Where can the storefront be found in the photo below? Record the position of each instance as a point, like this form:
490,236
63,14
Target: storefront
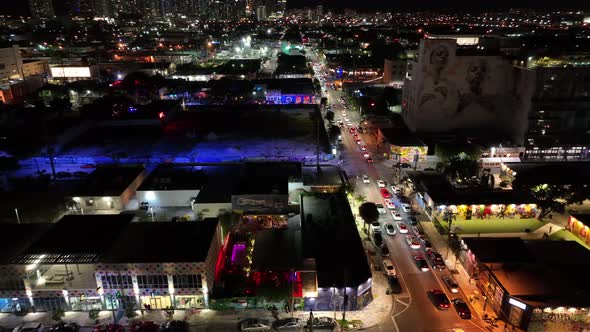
156,301
50,304
113,303
189,301
14,305
85,303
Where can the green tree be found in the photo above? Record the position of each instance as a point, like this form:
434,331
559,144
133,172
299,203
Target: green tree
360,199
333,133
58,314
93,315
228,220
130,312
553,198
369,213
330,116
462,151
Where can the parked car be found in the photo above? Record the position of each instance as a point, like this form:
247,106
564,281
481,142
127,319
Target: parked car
401,227
421,263
380,208
174,326
406,207
64,327
396,215
462,308
29,327
384,251
389,203
388,267
321,323
412,242
451,284
144,326
366,178
413,220
80,174
381,183
385,193
87,166
108,328
287,324
378,239
394,285
376,227
63,175
389,229
396,190
436,260
439,299
254,325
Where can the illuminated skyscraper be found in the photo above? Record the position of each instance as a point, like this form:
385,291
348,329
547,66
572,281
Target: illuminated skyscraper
41,8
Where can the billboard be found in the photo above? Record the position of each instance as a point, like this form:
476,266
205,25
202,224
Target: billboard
70,72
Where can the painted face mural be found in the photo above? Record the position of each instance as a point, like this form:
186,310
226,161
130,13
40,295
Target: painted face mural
439,57
476,74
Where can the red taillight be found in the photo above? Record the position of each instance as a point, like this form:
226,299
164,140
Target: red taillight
161,115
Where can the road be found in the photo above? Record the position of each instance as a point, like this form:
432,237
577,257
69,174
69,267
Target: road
412,310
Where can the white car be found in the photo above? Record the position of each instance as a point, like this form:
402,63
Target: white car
412,241
381,183
388,268
254,325
380,208
396,215
346,118
376,227
367,155
363,148
396,190
366,179
406,207
401,227
29,327
389,203
389,229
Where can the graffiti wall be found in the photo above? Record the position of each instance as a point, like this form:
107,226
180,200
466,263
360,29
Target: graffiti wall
451,89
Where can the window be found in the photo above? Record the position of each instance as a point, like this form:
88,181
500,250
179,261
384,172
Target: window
187,281
116,282
153,281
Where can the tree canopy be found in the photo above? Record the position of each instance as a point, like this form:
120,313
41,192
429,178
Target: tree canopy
553,198
446,152
368,211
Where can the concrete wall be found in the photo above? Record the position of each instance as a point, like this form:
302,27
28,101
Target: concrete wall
167,198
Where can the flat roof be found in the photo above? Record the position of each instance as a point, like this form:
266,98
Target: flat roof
76,239
108,181
330,236
16,238
151,242
288,85
278,248
172,177
494,250
401,137
551,172
329,176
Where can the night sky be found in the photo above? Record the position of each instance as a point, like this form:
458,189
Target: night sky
20,7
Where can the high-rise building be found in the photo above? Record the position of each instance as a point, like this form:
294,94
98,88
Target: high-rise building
319,12
261,13
78,8
281,8
41,8
101,8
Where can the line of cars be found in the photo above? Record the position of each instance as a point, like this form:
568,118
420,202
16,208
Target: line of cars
287,324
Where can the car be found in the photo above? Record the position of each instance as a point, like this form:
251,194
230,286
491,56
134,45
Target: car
346,119
396,215
88,166
396,190
80,174
389,204
370,160
254,325
389,229
388,267
65,327
417,231
439,299
421,263
366,178
376,227
412,242
363,148
406,207
378,239
366,154
384,251
63,175
401,227
380,183
436,260
174,326
144,326
425,242
358,141
462,308
451,284
413,220
108,328
287,324
29,327
385,193
380,208
355,136
394,285
321,323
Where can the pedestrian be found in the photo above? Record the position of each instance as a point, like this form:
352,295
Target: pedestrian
550,228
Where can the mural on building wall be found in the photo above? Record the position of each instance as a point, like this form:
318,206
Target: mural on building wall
468,91
407,154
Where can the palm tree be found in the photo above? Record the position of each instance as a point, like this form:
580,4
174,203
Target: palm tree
368,211
360,199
